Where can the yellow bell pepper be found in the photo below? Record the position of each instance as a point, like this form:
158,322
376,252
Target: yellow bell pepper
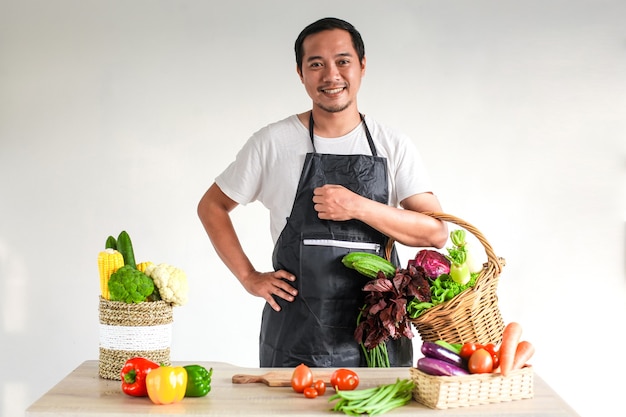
166,384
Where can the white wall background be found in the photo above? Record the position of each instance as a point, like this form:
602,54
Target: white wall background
118,115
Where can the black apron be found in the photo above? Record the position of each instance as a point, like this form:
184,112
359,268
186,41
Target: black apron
317,328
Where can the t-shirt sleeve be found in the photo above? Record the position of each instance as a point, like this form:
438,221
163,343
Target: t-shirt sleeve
411,176
241,180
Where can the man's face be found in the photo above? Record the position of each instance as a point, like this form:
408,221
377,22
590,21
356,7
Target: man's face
331,71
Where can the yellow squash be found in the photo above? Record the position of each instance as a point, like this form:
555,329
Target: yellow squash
143,265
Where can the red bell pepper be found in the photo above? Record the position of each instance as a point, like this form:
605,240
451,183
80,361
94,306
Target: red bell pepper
134,374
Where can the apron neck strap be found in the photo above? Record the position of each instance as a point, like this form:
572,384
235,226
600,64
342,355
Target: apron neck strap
370,141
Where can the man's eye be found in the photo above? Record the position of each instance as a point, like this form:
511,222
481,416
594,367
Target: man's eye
344,62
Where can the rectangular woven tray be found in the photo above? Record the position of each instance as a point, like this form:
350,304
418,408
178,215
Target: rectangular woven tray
441,392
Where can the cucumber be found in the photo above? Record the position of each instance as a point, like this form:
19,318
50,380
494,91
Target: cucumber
366,268
370,267
349,259
454,347
369,264
110,243
125,247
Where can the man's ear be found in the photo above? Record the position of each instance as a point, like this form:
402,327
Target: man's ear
363,66
299,71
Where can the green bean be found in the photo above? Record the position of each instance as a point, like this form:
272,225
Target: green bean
354,394
378,397
373,401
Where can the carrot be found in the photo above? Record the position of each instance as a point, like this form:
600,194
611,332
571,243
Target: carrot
510,338
524,351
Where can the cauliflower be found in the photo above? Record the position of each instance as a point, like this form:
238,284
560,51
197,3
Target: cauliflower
171,283
130,285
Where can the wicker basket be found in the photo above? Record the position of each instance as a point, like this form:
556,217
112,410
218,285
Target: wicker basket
130,330
443,392
473,315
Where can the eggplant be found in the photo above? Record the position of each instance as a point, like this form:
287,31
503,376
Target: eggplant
437,367
433,350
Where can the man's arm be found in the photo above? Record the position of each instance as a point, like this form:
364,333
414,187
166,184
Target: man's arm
213,209
407,225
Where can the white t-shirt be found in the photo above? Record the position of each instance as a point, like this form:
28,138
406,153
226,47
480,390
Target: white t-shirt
268,167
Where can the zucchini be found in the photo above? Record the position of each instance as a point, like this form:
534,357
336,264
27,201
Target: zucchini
110,243
125,247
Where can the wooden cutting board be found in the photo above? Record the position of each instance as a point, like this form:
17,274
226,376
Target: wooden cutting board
278,378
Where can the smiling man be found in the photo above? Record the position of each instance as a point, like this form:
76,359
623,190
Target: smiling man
334,181
331,72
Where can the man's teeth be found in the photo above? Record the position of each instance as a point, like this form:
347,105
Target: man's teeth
334,90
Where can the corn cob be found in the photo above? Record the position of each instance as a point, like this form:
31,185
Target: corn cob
109,261
143,265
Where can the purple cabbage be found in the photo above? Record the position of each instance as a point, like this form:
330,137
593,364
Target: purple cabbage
433,262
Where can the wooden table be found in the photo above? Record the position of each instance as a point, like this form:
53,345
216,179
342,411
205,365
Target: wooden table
84,393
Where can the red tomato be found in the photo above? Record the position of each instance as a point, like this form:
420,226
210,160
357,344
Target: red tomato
480,362
301,378
468,348
344,379
310,392
491,348
320,387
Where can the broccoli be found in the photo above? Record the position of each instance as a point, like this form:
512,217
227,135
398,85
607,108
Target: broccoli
130,285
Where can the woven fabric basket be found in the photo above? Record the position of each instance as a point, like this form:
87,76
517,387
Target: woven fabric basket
473,315
130,330
441,392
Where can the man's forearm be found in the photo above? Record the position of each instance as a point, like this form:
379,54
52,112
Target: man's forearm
407,227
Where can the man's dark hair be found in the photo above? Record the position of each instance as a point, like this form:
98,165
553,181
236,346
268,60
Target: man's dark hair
329,23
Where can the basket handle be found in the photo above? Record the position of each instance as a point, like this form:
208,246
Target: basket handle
492,259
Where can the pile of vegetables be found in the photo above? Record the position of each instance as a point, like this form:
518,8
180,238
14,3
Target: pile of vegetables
142,377
383,317
394,296
122,279
349,399
449,275
445,359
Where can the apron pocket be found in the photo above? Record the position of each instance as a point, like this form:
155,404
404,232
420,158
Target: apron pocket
332,292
